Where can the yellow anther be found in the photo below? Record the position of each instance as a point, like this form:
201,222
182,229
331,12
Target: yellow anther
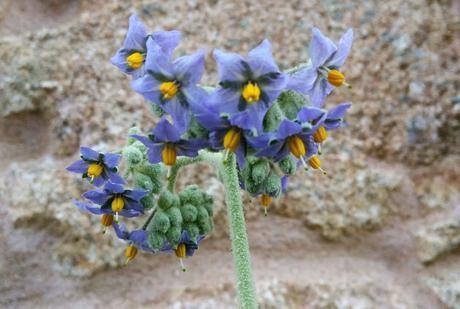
181,251
315,163
130,253
336,78
169,155
232,139
135,60
296,146
94,170
117,204
106,219
251,92
266,200
320,135
168,90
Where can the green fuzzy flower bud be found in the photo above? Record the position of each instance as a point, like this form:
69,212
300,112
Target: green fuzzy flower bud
132,156
148,202
202,214
189,212
260,171
252,187
141,147
192,195
142,181
209,209
154,171
192,229
175,216
290,102
156,239
273,118
133,131
160,222
196,130
167,200
288,165
156,110
272,185
205,227
173,235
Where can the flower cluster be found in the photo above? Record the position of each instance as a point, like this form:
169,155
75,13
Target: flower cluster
272,122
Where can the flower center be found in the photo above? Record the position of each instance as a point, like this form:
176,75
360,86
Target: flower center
232,139
181,251
169,155
106,219
251,92
135,60
95,170
117,204
130,253
335,78
320,135
169,90
296,146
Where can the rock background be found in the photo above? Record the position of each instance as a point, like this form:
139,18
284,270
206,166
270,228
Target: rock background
382,231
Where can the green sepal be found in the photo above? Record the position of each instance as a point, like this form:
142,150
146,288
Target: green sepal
260,171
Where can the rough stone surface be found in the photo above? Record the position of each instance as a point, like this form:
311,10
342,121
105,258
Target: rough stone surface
437,239
388,203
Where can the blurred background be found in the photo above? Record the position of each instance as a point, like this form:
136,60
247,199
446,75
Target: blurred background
381,231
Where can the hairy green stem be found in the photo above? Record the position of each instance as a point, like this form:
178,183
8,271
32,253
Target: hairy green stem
240,246
238,234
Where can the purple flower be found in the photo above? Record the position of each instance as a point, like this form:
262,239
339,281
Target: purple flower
115,199
291,138
165,144
319,79
190,245
131,57
172,84
322,121
248,86
224,133
137,238
97,210
97,167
